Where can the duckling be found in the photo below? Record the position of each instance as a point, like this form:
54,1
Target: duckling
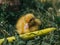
27,23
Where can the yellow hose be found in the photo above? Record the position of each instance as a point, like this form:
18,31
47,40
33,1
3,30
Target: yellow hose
37,33
30,35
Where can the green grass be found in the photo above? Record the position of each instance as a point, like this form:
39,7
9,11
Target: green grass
49,18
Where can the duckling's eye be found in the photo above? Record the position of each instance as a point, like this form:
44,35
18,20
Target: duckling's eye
32,19
31,22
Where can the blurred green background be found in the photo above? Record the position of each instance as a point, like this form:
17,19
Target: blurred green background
48,11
